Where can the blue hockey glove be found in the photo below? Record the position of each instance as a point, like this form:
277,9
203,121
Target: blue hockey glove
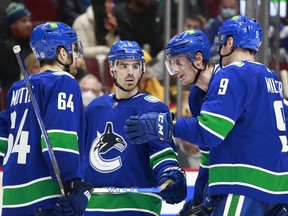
177,191
76,201
150,126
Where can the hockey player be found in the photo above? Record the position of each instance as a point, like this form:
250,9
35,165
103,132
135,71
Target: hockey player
29,182
112,161
189,55
242,120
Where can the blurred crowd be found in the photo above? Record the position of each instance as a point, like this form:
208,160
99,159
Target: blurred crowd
99,23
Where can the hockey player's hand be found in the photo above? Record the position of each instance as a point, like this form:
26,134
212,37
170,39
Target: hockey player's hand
177,191
150,126
204,209
76,201
186,207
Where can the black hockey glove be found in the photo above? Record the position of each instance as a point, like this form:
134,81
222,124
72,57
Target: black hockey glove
187,206
177,191
204,209
76,201
143,128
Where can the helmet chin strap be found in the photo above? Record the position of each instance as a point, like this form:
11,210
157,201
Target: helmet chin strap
66,66
119,86
198,72
222,56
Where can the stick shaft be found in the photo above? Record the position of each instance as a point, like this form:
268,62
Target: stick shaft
132,189
17,51
125,190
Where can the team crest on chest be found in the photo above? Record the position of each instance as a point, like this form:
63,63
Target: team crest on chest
106,149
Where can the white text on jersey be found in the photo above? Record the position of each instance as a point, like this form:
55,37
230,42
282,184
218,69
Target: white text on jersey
20,96
274,86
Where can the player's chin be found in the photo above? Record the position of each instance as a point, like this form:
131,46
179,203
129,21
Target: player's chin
131,86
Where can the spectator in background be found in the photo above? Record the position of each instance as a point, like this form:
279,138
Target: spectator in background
19,21
31,64
189,154
69,10
137,21
193,21
4,33
91,88
96,28
227,9
149,83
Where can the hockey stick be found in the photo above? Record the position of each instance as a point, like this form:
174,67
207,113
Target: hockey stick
192,212
132,189
17,51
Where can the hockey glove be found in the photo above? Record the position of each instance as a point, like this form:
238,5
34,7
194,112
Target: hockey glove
203,209
143,128
76,201
187,206
177,191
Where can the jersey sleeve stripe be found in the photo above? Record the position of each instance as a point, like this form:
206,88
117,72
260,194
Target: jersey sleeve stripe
164,155
62,140
217,125
251,176
205,159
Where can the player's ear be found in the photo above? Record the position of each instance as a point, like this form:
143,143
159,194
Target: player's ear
62,53
112,73
230,41
198,58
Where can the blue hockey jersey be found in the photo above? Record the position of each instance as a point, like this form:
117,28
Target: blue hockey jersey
29,183
111,160
243,123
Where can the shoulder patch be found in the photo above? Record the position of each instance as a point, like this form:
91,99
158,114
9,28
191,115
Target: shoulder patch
151,99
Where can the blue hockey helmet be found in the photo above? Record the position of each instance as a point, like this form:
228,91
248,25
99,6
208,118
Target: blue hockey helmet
247,32
123,50
47,37
189,42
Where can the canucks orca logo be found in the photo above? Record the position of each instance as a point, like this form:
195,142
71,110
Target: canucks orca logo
106,149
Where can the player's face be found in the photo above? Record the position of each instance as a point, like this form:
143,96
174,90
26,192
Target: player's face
181,67
77,53
128,73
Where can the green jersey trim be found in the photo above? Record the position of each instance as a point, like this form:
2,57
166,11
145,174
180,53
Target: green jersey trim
137,202
163,155
216,124
3,146
62,140
249,176
29,193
